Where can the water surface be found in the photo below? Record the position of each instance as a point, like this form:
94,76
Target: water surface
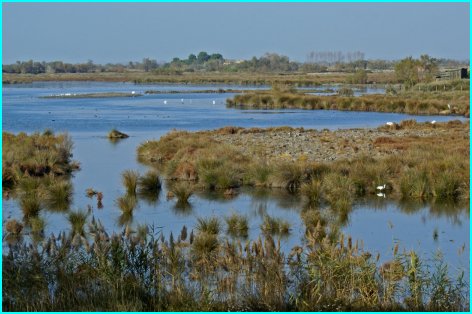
380,223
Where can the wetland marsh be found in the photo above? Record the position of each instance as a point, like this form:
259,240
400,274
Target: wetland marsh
388,225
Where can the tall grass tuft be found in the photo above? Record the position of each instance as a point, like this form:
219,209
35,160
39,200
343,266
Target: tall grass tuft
58,195
275,226
210,225
77,220
127,203
13,226
339,191
149,183
312,191
288,175
237,225
37,225
30,205
182,191
130,181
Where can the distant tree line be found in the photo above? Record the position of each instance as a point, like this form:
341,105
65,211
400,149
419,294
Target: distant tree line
334,57
350,62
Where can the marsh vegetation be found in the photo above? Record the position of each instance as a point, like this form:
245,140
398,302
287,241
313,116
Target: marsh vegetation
427,99
36,170
140,270
233,259
399,164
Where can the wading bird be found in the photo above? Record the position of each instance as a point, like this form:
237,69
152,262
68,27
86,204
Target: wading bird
381,187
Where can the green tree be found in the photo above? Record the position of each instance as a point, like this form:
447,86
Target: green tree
192,58
216,56
202,57
359,77
429,67
149,64
406,71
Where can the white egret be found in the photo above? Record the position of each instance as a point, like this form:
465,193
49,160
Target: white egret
389,123
381,187
433,122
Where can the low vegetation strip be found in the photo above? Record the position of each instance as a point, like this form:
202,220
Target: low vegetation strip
197,91
248,78
447,103
93,95
291,158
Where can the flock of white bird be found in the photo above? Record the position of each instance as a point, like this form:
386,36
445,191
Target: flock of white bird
182,101
432,122
391,123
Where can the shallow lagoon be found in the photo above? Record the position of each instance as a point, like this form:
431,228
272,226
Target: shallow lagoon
380,223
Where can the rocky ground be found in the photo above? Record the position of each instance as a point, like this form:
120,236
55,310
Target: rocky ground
328,145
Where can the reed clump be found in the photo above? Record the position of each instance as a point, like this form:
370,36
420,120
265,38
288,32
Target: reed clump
182,191
139,271
35,155
36,169
14,227
127,203
312,191
77,220
58,195
210,225
237,225
275,226
149,183
130,180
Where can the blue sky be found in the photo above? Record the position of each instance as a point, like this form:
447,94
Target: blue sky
120,32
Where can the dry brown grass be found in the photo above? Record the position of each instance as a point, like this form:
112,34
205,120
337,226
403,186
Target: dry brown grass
218,165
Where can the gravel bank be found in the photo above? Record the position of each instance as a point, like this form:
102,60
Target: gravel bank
325,146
